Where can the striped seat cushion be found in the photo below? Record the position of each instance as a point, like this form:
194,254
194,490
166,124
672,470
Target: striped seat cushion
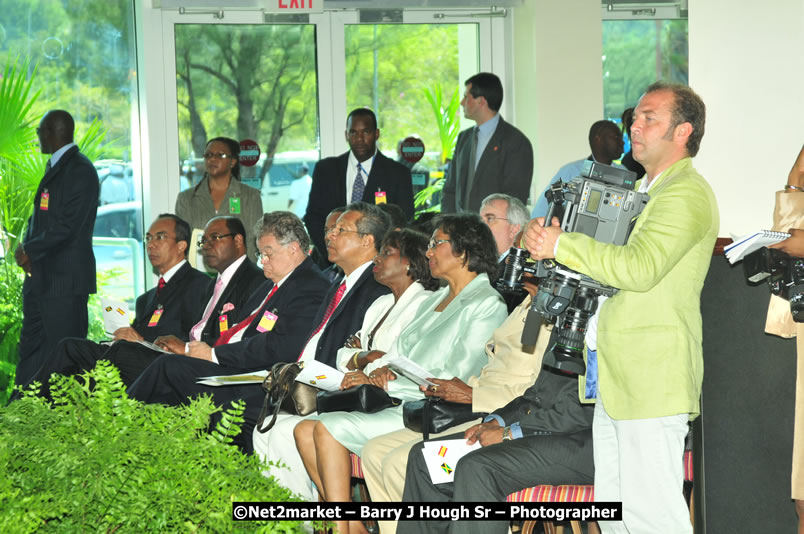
357,466
575,493
569,493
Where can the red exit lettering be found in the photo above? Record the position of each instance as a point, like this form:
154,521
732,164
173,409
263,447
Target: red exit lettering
295,4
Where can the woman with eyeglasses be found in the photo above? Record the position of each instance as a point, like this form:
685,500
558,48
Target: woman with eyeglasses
221,193
447,338
401,266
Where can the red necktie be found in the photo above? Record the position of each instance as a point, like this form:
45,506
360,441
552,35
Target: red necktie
336,299
226,336
161,285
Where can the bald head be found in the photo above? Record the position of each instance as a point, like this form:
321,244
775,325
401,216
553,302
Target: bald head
55,130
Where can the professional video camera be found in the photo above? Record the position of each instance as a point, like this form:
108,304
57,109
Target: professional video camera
784,273
602,204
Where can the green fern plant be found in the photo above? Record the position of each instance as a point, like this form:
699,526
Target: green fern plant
98,461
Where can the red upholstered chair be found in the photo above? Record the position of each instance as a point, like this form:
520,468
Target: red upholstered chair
568,493
573,493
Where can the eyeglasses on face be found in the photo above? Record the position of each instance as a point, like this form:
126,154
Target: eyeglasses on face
435,242
217,155
214,238
266,255
491,218
335,232
159,236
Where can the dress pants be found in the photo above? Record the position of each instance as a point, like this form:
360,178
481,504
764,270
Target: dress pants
640,463
171,379
45,322
385,460
278,446
490,474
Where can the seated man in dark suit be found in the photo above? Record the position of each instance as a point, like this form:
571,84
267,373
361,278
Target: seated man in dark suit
362,174
174,306
223,246
275,329
308,334
352,245
542,437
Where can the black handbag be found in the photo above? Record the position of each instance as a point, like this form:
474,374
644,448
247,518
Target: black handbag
283,393
365,398
434,415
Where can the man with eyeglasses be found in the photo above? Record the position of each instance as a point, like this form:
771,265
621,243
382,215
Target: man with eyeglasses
362,174
174,305
275,329
223,246
56,251
352,245
505,216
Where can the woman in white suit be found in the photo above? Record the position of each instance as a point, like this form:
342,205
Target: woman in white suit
447,338
401,266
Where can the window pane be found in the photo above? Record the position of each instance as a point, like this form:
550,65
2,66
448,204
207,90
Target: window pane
83,59
637,53
253,82
389,68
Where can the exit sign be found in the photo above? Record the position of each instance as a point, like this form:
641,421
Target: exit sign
296,6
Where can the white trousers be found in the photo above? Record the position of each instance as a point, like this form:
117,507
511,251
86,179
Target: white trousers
640,462
278,447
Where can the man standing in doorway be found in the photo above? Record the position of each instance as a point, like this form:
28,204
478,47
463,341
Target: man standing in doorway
492,157
56,252
363,174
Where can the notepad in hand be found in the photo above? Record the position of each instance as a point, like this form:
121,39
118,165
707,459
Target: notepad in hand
748,243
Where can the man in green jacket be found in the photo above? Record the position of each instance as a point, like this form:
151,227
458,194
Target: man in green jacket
648,339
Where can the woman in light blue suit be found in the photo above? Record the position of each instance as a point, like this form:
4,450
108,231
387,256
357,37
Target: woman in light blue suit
447,338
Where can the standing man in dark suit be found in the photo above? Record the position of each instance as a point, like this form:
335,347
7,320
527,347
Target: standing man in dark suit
175,305
541,437
274,331
56,252
362,174
492,157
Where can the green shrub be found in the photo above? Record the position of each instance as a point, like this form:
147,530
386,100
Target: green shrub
98,461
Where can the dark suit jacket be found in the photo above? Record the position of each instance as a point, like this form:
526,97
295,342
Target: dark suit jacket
182,300
506,166
328,191
347,317
247,281
295,304
58,240
551,406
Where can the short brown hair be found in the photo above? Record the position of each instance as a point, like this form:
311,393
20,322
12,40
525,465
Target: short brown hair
687,107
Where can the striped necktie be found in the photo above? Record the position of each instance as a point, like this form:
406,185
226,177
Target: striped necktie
336,299
359,185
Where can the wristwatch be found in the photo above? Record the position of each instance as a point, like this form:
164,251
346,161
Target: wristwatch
507,434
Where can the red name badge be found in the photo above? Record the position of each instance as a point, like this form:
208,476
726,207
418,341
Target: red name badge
155,317
380,197
223,321
44,200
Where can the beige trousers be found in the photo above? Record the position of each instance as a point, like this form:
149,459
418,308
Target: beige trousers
385,460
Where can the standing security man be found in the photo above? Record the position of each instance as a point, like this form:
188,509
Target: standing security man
56,253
